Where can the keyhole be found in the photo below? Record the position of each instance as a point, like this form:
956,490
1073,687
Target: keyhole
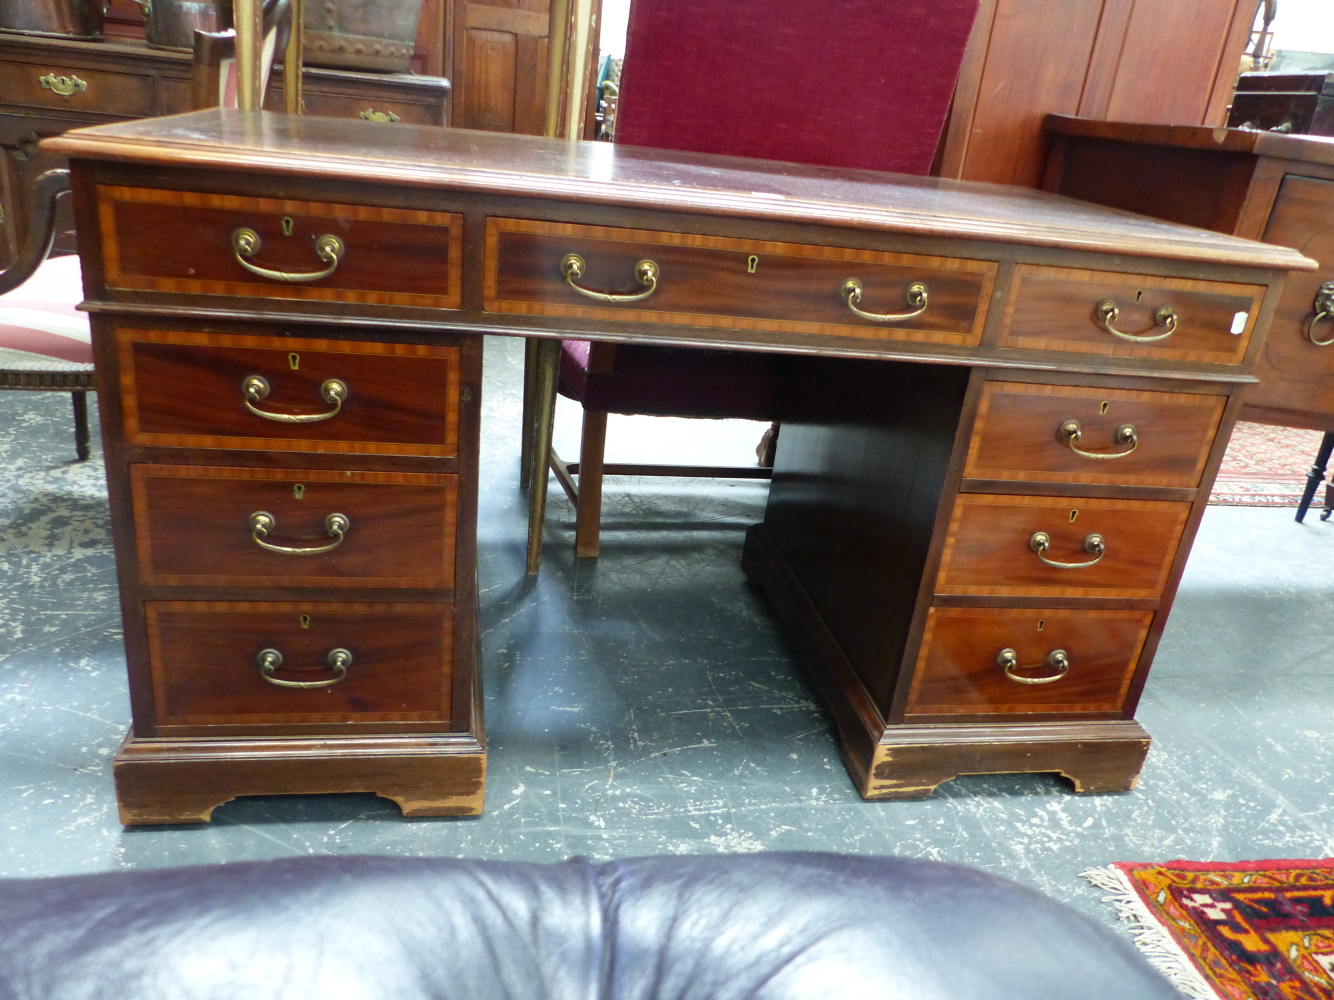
1042,623
1073,514
1139,294
305,621
294,360
1103,407
752,262
299,491
287,225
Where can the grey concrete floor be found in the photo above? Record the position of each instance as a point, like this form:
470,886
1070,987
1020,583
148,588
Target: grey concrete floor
645,702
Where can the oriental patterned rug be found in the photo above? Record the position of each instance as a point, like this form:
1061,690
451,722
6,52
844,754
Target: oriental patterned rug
1266,467
1246,930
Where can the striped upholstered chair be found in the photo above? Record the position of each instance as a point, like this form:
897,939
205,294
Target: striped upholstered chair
861,84
44,340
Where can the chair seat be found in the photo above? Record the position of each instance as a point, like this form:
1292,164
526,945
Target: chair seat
676,382
40,328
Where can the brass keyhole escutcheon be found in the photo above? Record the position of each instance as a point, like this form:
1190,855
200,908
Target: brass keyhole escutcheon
1042,623
1073,514
1139,294
299,491
752,262
1103,408
305,621
287,225
294,360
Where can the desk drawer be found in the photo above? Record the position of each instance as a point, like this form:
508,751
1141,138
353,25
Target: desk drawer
181,241
201,527
958,672
1019,435
1058,309
369,108
1110,548
191,390
205,660
77,88
719,282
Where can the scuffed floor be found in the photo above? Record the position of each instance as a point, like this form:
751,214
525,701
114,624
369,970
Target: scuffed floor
645,703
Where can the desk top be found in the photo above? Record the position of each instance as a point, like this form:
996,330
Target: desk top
487,162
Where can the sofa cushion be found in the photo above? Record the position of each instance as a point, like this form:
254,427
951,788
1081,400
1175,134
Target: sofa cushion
40,328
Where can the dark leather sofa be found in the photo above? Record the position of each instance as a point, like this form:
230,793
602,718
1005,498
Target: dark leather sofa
758,927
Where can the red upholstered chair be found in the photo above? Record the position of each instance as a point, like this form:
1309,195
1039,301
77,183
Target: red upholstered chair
859,83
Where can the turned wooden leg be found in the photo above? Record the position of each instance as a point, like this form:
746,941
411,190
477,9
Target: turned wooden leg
588,519
544,403
1316,474
529,418
80,401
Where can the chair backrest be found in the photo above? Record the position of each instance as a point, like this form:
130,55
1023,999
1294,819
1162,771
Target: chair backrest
857,83
216,76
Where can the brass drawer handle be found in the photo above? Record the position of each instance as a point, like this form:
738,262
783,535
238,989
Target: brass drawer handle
1069,434
262,522
1107,312
1008,661
646,273
269,660
915,296
1324,309
256,387
1093,544
328,248
371,115
65,86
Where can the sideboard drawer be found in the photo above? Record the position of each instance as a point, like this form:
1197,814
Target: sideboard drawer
959,670
222,527
376,109
214,244
195,390
1021,546
721,282
1129,315
1025,431
77,88
206,660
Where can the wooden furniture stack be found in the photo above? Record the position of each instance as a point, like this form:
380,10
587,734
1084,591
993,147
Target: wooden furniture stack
992,463
48,85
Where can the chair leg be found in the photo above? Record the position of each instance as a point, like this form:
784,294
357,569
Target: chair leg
80,401
544,403
529,419
1316,474
588,513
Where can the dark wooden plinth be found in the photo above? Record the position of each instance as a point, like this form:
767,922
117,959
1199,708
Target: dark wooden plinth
183,781
910,761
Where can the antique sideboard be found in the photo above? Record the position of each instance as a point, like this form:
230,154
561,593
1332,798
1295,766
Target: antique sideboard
1004,410
48,85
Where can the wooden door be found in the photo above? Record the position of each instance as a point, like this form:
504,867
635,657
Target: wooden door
500,65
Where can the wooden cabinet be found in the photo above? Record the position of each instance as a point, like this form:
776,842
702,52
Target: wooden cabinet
48,85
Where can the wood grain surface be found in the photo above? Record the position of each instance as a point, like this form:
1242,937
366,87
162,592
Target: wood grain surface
1017,423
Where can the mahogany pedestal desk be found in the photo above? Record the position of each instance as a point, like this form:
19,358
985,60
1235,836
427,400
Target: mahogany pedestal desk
1003,415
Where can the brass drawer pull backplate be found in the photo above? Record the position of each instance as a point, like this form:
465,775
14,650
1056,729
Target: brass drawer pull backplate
1107,312
915,296
256,387
246,243
1057,659
1069,434
262,522
1324,309
646,273
269,660
65,86
371,115
1093,544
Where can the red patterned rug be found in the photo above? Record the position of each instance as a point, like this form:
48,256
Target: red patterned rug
1266,466
1246,930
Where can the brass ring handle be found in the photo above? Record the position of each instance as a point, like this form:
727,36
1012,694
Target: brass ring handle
915,296
328,248
262,522
1008,661
269,660
1107,312
256,387
1069,434
1093,544
1324,309
646,273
